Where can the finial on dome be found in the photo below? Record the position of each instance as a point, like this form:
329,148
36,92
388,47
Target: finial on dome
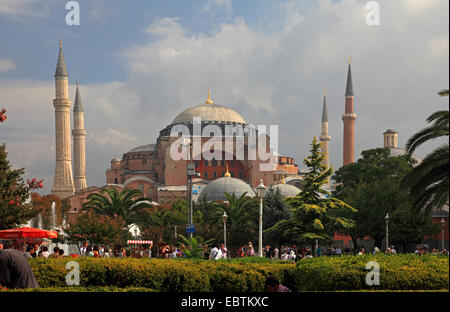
349,60
227,174
60,43
209,101
282,179
325,92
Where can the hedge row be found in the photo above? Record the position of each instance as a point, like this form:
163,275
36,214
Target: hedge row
397,272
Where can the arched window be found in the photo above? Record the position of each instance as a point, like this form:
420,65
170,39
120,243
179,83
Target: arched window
116,181
205,174
215,174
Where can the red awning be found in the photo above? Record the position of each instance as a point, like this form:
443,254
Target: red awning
27,232
140,242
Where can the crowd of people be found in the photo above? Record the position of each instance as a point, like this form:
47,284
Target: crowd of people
216,252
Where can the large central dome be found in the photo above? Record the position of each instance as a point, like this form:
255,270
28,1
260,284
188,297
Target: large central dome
209,113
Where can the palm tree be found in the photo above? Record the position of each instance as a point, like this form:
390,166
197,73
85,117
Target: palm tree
429,181
242,220
125,204
158,219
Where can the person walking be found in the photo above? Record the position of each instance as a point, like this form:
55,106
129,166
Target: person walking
216,253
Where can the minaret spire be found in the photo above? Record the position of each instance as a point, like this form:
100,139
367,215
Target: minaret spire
79,143
63,179
349,118
324,136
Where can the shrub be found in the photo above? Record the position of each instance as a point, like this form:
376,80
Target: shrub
397,272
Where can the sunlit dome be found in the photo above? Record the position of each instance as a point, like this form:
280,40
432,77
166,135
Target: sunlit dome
216,189
209,113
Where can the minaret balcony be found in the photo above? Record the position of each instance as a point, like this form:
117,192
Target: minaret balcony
351,116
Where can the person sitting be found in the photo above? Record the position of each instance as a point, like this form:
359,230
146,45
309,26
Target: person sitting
273,285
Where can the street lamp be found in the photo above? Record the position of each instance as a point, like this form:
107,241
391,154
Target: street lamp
442,232
224,219
260,189
386,218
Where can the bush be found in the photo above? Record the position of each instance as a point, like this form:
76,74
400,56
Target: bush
397,272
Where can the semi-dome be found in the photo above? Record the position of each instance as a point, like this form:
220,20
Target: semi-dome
209,113
216,189
287,190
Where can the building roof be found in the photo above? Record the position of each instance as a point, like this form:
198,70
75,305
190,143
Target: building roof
209,113
144,148
61,69
396,152
216,189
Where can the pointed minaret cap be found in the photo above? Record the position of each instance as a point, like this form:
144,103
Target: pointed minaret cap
78,106
209,101
227,174
61,69
349,88
325,110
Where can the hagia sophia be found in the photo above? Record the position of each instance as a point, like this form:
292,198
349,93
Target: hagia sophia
151,168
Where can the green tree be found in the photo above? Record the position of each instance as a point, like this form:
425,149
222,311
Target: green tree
242,223
372,186
407,227
158,220
316,215
275,210
97,229
429,181
125,204
194,247
14,193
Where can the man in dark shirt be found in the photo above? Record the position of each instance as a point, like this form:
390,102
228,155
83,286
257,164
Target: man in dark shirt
15,271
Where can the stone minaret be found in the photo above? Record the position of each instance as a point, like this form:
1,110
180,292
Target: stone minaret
324,136
390,138
79,144
349,120
62,180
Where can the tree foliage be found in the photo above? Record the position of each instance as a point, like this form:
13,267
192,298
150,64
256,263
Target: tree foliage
97,229
123,204
14,194
315,213
372,186
429,181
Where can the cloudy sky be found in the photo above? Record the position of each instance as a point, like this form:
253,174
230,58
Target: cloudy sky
139,63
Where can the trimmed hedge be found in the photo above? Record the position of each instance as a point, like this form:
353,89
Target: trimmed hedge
397,272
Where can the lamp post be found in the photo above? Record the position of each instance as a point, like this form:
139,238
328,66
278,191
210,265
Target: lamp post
386,218
442,232
261,189
224,219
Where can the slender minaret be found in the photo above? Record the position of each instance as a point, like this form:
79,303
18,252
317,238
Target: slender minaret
79,144
62,180
324,136
349,120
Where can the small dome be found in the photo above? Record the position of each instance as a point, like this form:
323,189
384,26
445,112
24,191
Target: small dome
209,113
115,159
216,189
287,190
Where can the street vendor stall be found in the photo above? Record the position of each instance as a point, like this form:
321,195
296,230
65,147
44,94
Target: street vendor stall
140,248
19,238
